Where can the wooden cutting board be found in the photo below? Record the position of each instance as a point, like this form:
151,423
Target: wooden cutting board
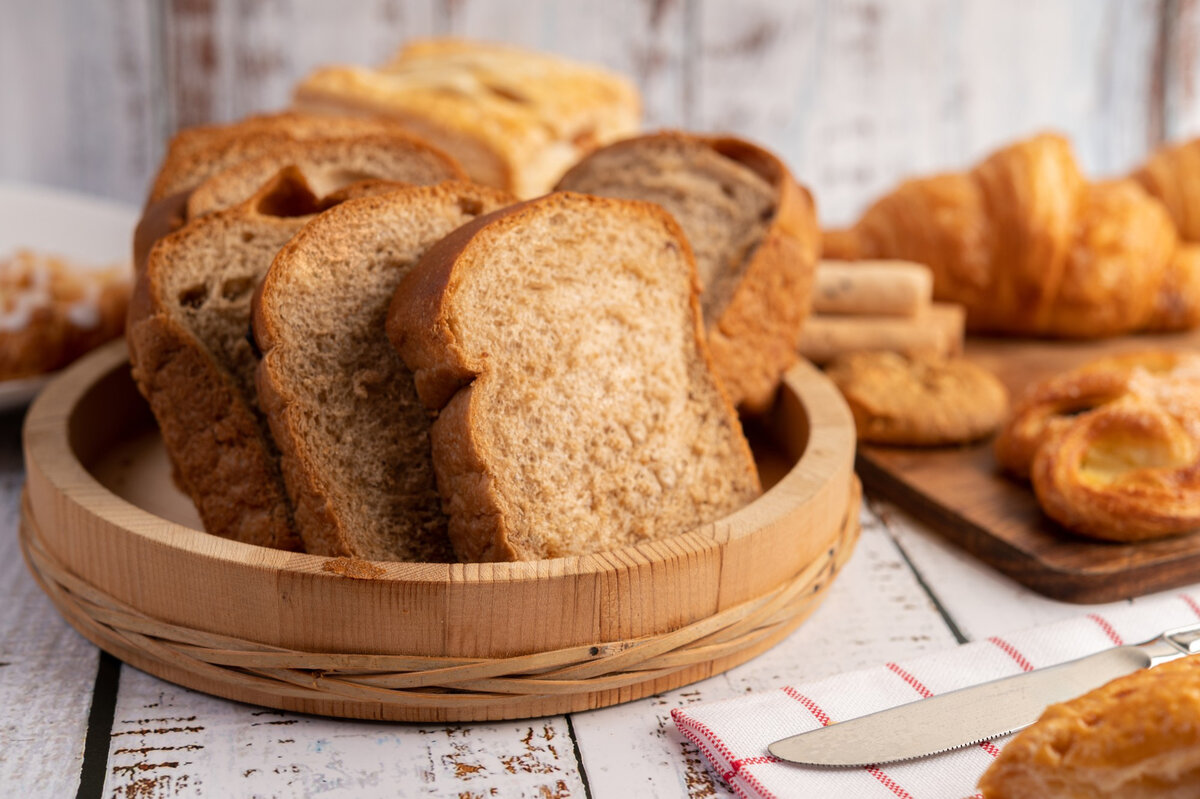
961,493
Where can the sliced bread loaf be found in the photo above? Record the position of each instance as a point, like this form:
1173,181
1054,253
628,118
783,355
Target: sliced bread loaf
200,152
191,359
211,168
328,165
341,403
755,237
561,342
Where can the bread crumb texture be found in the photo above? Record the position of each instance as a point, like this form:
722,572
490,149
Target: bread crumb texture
594,421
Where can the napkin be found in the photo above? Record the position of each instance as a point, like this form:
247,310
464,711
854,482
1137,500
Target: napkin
733,735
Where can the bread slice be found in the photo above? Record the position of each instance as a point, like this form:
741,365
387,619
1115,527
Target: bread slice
189,318
211,168
514,119
753,231
560,341
341,403
197,153
328,165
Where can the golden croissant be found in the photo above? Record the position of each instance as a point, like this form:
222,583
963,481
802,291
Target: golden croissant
1030,247
1113,448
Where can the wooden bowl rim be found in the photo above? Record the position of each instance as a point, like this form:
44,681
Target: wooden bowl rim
47,446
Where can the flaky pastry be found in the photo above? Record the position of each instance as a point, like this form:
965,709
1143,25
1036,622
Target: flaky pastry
1136,737
1113,448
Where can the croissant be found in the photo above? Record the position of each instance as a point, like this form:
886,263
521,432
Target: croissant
1113,448
1030,247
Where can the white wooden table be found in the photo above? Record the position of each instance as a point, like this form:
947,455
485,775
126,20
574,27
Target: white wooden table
75,721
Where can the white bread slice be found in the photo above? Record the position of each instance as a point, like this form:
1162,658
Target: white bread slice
754,233
341,403
560,340
514,119
189,318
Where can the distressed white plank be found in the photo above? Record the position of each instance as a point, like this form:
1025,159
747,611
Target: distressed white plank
857,95
77,95
875,612
981,601
645,39
1181,69
230,58
46,669
169,741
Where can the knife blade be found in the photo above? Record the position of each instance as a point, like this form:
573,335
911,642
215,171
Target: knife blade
981,712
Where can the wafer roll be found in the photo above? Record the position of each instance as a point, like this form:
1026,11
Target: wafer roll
872,288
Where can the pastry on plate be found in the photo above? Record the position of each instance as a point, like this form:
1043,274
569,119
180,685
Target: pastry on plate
52,311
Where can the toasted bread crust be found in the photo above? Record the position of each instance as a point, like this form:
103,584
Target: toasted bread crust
317,519
756,338
421,328
197,153
215,438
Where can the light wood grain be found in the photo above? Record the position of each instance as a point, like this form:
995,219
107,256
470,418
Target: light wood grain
961,493
200,610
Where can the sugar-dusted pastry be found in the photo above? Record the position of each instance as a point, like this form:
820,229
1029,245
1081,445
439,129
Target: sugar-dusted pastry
919,400
1030,247
1138,737
1113,447
514,119
52,311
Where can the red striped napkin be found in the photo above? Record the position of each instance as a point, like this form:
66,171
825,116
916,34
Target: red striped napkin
734,734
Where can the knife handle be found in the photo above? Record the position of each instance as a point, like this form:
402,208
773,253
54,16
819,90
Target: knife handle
1185,639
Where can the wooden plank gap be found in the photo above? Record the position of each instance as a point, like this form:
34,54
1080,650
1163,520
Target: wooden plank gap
583,775
948,619
98,739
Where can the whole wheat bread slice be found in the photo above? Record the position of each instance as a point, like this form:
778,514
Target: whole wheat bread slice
197,153
219,166
341,404
561,342
189,318
754,233
328,165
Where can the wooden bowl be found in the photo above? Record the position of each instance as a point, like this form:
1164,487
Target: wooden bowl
107,536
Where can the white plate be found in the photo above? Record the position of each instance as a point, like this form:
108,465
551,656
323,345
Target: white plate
91,231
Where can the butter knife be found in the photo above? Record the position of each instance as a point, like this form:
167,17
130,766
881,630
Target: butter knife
976,714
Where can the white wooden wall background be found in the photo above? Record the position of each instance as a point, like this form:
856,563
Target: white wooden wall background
854,94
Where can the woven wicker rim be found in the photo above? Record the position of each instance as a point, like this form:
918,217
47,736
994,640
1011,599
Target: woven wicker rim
412,681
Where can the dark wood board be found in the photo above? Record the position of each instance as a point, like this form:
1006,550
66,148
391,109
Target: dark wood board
961,493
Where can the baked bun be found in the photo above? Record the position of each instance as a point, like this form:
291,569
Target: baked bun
1113,448
1138,737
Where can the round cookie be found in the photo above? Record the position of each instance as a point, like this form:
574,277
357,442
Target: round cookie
919,400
